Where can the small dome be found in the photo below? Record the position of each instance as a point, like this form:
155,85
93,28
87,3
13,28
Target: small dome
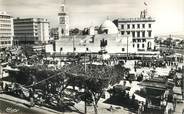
109,27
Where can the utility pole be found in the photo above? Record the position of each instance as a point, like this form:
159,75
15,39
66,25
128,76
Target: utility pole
127,48
183,81
60,56
85,105
73,43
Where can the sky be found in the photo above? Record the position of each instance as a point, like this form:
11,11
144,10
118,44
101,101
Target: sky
169,14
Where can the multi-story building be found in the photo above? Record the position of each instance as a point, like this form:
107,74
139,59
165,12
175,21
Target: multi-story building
140,29
31,31
6,30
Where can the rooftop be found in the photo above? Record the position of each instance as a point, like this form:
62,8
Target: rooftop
149,19
30,20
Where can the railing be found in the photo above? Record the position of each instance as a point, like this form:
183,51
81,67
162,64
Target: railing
136,19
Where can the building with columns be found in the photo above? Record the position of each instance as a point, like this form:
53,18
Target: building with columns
6,30
63,18
141,30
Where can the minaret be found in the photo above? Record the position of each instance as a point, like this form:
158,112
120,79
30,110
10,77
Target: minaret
63,18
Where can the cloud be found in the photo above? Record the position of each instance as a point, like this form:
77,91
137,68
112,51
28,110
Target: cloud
84,12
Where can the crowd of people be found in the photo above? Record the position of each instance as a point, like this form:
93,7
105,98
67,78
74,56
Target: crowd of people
52,90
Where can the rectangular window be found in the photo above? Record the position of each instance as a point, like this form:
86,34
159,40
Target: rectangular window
143,33
133,34
128,32
123,49
74,49
149,25
137,45
138,33
133,45
122,26
128,26
149,33
138,25
143,25
133,26
134,40
142,45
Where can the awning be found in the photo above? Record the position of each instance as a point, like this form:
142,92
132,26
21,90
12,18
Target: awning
177,90
8,68
139,98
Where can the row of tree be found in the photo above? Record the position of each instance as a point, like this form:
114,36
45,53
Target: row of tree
92,78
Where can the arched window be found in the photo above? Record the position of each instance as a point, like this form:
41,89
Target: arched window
149,45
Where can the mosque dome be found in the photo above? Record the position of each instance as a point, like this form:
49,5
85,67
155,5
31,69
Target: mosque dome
108,27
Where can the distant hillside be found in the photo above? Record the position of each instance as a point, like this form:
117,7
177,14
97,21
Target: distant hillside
180,37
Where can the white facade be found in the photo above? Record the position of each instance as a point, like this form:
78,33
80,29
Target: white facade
63,19
6,30
92,43
91,30
31,30
141,30
43,30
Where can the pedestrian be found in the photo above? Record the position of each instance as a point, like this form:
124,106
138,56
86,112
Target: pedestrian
133,97
135,69
31,97
110,108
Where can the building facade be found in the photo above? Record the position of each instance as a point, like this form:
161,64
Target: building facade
31,31
6,30
109,40
63,18
54,33
141,30
111,43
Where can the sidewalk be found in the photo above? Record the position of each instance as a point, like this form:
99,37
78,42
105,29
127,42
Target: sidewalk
102,107
25,103
179,108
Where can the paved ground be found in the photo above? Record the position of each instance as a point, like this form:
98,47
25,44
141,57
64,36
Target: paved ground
15,105
11,107
20,106
179,108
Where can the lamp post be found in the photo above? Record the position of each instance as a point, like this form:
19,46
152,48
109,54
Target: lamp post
127,47
60,56
85,104
183,81
73,43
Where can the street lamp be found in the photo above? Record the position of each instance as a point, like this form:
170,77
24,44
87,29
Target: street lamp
73,43
60,55
85,104
127,47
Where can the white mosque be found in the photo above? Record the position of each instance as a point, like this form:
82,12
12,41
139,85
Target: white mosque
109,37
108,27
